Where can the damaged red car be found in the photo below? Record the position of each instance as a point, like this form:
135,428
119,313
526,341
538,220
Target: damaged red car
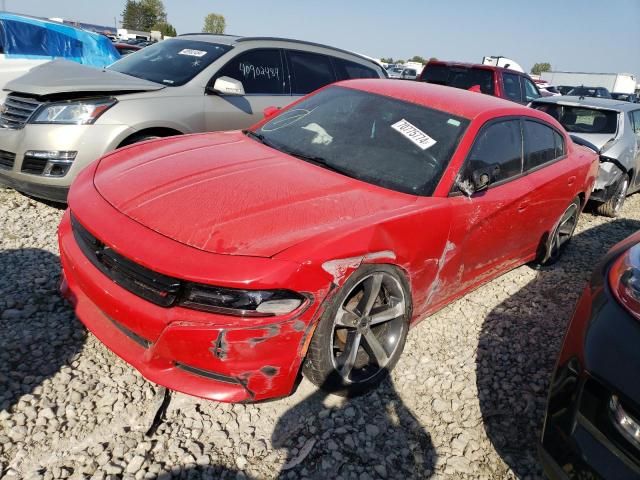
224,265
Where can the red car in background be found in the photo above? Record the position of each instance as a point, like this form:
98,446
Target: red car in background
127,48
497,81
220,264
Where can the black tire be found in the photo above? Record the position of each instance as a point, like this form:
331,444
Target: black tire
613,206
560,236
138,139
326,365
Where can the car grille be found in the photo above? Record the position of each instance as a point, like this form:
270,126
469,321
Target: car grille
17,111
7,159
152,286
33,165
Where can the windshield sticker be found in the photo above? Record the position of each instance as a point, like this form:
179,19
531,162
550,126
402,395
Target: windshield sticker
414,134
192,53
322,137
454,122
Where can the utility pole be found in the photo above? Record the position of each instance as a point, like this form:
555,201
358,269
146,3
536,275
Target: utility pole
4,5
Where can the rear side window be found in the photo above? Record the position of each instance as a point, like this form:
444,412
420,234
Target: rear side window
346,70
260,71
310,71
540,144
459,77
512,88
635,117
497,151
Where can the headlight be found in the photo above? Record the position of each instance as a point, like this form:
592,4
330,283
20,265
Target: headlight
628,426
244,303
624,280
83,112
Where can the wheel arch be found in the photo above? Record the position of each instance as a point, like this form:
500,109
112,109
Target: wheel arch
149,132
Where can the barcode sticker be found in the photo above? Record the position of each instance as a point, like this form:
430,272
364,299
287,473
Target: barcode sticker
414,134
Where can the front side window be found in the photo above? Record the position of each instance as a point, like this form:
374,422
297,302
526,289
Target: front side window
581,119
260,71
346,70
530,90
512,88
497,151
172,62
310,71
540,145
376,139
636,121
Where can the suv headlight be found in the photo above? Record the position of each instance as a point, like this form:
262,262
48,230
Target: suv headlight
83,112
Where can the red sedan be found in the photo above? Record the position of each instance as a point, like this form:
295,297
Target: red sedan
224,264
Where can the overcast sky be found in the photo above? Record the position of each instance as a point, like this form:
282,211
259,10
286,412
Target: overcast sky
574,35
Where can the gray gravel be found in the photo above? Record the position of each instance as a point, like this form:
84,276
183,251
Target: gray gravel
465,401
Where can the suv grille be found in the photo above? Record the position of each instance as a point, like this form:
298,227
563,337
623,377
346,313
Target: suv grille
152,286
18,110
7,159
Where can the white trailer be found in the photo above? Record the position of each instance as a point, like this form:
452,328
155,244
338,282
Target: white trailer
614,82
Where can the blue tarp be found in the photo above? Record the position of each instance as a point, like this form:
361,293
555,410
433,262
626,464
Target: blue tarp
26,37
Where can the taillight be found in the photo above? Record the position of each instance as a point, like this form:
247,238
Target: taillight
624,280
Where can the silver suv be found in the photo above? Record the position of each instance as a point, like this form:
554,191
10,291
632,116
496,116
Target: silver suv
61,116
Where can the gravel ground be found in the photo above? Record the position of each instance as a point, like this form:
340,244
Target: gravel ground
465,401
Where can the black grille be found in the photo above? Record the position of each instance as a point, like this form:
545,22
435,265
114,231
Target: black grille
18,110
33,165
152,286
7,159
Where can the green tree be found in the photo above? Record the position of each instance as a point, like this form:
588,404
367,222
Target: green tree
214,23
432,58
143,14
165,28
418,59
132,15
387,60
538,68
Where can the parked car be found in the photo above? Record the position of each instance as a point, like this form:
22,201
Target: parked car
592,423
565,89
596,92
127,48
611,128
626,97
60,117
296,240
409,74
546,89
395,72
496,81
26,42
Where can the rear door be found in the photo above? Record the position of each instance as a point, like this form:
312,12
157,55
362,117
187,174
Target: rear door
263,76
309,71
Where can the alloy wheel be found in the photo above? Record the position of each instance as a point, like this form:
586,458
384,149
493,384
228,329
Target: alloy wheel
564,231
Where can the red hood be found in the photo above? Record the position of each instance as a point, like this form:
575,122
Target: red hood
225,193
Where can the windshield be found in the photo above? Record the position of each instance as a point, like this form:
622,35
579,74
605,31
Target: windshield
588,92
380,140
459,77
581,119
172,62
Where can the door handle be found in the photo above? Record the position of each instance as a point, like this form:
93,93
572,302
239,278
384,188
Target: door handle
570,180
523,206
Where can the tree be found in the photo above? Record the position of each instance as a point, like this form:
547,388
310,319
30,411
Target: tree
433,58
143,14
165,28
538,68
387,60
417,59
214,23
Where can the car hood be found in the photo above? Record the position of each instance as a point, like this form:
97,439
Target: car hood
598,140
63,76
228,194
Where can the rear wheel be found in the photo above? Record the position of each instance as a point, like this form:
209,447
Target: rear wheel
362,333
561,235
613,206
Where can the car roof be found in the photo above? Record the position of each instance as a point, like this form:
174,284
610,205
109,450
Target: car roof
473,65
232,40
452,100
602,103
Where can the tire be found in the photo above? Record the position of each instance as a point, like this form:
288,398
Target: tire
613,206
332,363
560,236
138,139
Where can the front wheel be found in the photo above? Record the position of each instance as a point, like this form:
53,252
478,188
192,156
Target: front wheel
362,333
561,235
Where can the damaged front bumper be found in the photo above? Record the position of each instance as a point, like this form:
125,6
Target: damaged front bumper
609,174
217,357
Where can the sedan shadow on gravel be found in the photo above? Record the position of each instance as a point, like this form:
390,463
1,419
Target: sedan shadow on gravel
519,343
39,332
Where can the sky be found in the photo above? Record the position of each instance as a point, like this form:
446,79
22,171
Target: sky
572,35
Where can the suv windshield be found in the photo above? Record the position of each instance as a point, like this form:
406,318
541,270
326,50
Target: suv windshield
589,92
380,140
459,77
172,62
581,119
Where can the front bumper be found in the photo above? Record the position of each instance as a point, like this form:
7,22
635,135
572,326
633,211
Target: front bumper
90,141
599,358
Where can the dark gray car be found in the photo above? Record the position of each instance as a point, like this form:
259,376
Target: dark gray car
611,128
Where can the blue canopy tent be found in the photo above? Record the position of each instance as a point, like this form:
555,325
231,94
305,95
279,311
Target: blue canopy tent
32,38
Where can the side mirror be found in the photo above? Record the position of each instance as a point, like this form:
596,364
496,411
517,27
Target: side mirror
270,111
227,86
